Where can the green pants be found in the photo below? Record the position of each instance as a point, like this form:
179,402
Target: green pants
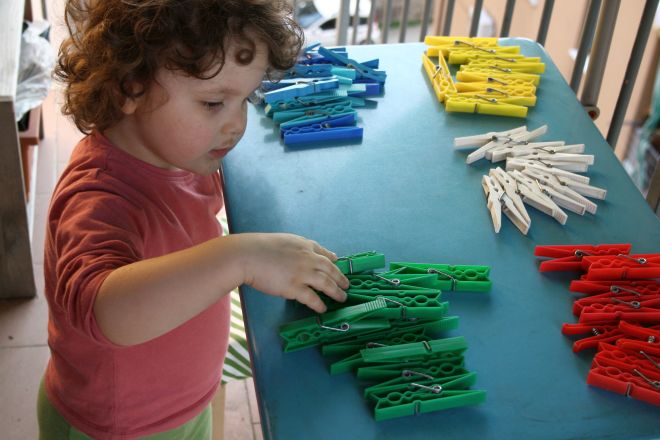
52,425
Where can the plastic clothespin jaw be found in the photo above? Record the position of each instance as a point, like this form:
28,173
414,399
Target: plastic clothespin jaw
363,70
360,262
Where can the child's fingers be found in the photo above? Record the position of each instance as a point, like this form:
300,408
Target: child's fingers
334,273
323,251
309,298
324,283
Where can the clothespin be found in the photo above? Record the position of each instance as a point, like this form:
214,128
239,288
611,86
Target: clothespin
621,267
513,207
438,369
423,280
301,102
514,138
494,194
428,366
569,257
599,333
629,380
502,53
409,308
363,70
439,76
511,106
415,351
571,197
327,131
360,262
310,71
500,95
539,196
332,326
426,396
620,296
471,278
323,114
299,87
475,141
494,75
507,65
646,311
517,88
377,284
396,335
596,287
444,45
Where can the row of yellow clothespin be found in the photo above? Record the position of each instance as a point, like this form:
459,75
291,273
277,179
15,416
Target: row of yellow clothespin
492,79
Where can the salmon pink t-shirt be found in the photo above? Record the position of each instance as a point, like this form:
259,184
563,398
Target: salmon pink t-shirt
108,210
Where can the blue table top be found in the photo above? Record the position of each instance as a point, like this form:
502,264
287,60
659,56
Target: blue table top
405,192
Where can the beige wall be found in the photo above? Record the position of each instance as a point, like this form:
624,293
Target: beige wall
564,34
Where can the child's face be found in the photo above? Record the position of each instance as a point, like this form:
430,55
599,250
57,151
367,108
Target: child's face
188,123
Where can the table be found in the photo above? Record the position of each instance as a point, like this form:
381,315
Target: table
405,192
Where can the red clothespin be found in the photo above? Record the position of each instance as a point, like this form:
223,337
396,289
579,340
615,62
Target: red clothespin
615,294
569,257
646,311
599,333
622,373
597,287
621,267
638,339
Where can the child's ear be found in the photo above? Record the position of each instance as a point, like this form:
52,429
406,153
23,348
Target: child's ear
129,106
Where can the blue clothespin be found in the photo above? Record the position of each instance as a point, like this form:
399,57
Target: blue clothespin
334,108
301,87
340,128
306,101
363,89
363,71
310,71
321,116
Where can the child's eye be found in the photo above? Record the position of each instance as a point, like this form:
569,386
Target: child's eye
212,105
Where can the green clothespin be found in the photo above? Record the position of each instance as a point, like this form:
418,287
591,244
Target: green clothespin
360,262
415,351
459,278
441,366
333,326
375,281
358,342
427,280
426,396
410,308
355,360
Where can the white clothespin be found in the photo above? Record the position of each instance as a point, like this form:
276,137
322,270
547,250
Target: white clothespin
555,171
513,208
493,193
546,147
513,163
469,142
514,139
553,182
584,189
501,153
556,196
534,196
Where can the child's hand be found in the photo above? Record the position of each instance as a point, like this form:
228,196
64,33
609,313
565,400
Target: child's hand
293,267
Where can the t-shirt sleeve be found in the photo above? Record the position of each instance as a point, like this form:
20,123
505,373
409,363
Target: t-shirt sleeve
95,233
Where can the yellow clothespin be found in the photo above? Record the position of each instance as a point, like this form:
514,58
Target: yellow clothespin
446,44
458,102
466,55
516,88
494,74
439,76
512,64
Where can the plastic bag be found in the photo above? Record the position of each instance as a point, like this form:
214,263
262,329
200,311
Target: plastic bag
34,69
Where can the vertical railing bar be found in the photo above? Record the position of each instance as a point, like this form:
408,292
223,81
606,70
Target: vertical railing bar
598,57
585,43
425,20
404,21
506,21
295,10
356,21
630,76
548,5
370,26
449,14
476,15
388,20
342,22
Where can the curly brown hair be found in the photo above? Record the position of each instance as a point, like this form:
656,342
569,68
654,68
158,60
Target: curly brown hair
115,47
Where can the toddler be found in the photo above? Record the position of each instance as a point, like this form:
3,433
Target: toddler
137,273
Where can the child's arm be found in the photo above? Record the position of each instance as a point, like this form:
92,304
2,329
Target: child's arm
146,299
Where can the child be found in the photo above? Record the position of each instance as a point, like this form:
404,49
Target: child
136,272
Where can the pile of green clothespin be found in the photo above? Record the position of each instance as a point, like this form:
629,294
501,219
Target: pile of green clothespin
383,333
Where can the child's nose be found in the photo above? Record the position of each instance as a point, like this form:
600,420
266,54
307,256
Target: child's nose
235,126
